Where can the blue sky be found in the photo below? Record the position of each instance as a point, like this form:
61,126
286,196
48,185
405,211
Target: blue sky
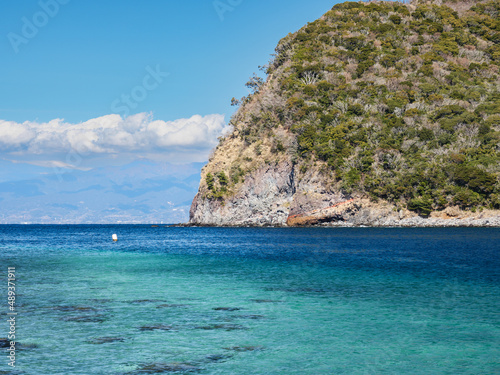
104,84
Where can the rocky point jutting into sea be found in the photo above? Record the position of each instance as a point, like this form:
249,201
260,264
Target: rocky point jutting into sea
380,114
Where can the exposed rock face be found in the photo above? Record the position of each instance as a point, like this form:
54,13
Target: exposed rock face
267,197
262,199
281,205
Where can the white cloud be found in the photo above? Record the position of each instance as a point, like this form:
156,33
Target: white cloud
13,135
108,139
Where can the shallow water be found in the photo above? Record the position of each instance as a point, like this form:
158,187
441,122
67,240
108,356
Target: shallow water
253,301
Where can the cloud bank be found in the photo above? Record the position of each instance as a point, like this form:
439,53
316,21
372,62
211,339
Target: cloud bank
110,139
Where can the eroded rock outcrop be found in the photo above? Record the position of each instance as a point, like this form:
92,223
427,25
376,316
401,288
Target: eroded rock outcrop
268,196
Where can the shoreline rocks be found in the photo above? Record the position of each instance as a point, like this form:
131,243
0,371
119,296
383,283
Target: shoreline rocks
280,195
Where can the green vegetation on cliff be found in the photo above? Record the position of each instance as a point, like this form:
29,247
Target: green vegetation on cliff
401,101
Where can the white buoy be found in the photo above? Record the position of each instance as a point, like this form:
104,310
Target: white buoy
115,237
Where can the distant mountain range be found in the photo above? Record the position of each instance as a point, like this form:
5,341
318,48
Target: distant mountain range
139,192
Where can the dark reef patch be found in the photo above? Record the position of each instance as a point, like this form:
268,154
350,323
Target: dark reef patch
105,340
226,308
166,368
226,327
155,327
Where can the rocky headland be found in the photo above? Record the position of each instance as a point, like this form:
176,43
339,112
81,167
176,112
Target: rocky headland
377,114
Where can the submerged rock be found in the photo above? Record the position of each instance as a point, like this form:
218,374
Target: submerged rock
265,300
251,316
155,327
4,343
85,319
245,348
105,340
160,368
74,308
226,308
218,357
226,327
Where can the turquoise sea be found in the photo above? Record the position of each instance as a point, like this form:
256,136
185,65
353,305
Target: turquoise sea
251,300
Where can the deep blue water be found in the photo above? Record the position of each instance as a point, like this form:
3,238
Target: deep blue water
252,300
